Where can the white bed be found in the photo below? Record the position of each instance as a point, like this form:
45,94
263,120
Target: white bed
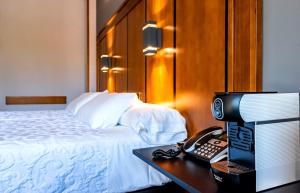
50,151
25,115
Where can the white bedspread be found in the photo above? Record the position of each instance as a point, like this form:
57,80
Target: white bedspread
65,155
25,115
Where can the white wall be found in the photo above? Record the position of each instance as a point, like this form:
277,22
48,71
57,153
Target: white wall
42,49
105,10
281,45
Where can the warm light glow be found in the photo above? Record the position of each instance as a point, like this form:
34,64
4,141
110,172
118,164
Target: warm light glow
117,69
150,54
104,56
111,19
158,6
149,25
104,69
169,28
186,100
161,79
117,56
110,40
110,81
150,48
170,50
168,104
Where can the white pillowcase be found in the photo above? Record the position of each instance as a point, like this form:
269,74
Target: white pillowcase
156,124
105,110
84,98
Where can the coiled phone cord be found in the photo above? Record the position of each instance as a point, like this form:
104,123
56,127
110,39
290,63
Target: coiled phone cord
171,153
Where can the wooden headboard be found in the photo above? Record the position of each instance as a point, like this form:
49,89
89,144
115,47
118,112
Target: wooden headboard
208,46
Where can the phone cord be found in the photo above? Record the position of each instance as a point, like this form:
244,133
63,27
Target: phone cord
171,153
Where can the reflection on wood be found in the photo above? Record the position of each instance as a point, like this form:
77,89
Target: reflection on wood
200,67
120,56
160,67
136,58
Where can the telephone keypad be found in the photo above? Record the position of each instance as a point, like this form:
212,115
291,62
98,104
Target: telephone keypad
208,149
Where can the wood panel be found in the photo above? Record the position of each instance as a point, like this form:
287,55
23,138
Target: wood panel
126,7
136,58
110,41
200,59
98,63
29,100
120,56
160,67
102,76
244,45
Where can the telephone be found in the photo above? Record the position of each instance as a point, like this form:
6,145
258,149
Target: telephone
209,145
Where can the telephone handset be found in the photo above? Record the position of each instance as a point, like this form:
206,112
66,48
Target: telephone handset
209,145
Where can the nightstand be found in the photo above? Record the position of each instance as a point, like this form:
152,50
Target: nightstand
193,176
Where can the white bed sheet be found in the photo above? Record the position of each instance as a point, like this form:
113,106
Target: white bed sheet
25,115
65,155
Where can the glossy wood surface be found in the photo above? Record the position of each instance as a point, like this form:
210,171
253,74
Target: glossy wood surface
160,67
98,63
29,100
244,45
195,176
120,56
122,12
102,75
110,41
136,58
204,51
200,59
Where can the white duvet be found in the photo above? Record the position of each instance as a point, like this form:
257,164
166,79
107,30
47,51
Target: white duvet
60,154
25,115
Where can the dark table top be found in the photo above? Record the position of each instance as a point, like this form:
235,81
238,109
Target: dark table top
192,175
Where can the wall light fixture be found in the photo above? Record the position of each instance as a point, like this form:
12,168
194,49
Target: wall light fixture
106,63
152,38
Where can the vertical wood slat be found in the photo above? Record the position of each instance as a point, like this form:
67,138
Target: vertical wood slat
110,41
160,67
120,56
136,58
200,60
244,45
102,76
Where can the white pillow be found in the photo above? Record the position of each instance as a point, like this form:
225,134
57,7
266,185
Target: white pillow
84,98
157,125
105,110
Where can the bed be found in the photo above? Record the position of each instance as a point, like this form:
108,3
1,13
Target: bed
25,115
62,154
86,148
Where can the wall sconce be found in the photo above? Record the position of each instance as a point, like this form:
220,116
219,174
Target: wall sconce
152,38
106,62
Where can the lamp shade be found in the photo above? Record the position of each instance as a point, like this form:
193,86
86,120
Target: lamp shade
152,38
106,63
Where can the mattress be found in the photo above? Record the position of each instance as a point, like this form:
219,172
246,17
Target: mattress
65,155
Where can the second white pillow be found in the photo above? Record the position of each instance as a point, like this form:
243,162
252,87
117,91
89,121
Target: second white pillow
105,110
80,101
